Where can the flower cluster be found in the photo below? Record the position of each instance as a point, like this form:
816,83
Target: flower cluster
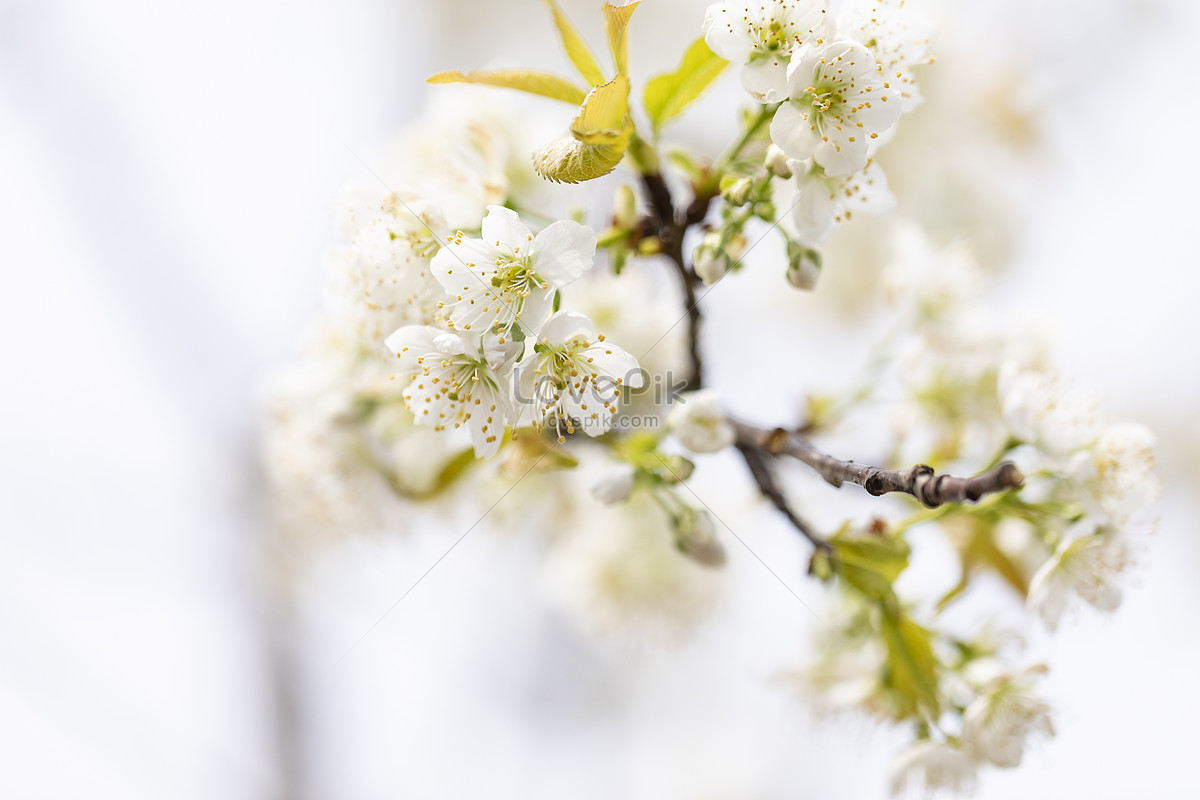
497,325
836,84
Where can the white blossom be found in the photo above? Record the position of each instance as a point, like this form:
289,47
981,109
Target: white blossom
1118,472
777,162
699,424
999,723
574,376
826,201
930,766
1043,409
897,37
762,36
1088,563
804,268
696,537
457,381
386,268
614,484
620,573
838,104
509,276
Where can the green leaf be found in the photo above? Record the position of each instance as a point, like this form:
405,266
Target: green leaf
616,21
577,49
598,140
881,553
524,80
667,95
604,113
454,469
911,670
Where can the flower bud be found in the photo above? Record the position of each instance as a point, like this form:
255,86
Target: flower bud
679,468
695,536
625,207
614,485
777,162
698,423
736,192
709,261
804,266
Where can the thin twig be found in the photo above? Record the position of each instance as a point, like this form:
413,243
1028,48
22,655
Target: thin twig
760,469
922,482
670,229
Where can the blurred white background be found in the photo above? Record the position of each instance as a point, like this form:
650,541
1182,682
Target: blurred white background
168,177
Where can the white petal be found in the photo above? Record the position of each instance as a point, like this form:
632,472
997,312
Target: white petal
453,264
793,132
536,310
617,363
725,34
802,70
816,212
564,251
500,356
503,229
869,191
416,339
880,115
766,79
566,325
840,156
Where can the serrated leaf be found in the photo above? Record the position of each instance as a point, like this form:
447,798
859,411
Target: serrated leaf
577,49
598,140
616,22
667,95
605,109
911,670
569,160
525,80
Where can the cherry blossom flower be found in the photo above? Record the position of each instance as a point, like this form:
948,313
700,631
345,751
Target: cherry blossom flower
931,766
1087,564
999,723
762,36
1044,410
838,104
699,424
1117,472
457,381
826,201
387,267
509,276
574,377
898,38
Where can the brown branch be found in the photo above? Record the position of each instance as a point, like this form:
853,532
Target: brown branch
921,481
760,469
670,228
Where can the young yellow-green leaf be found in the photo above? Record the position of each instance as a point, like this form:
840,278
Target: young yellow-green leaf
524,80
605,110
667,95
911,670
598,140
616,20
577,49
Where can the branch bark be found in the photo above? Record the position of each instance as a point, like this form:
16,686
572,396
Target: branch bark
921,482
764,476
670,227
